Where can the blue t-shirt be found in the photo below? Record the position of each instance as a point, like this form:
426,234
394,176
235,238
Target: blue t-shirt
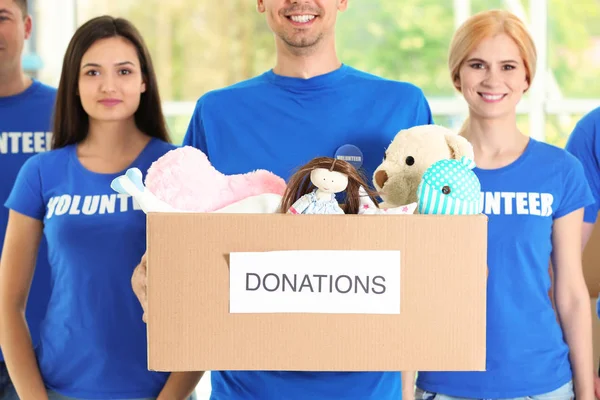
584,143
526,352
25,129
280,123
93,340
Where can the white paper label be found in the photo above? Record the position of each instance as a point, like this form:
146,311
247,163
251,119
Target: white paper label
314,281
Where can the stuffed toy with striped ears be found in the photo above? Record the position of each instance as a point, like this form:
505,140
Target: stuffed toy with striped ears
450,187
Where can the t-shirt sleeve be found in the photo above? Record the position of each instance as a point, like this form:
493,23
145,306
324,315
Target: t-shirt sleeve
196,135
582,144
424,116
26,196
576,192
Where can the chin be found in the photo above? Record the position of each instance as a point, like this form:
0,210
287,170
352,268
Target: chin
496,115
103,117
487,111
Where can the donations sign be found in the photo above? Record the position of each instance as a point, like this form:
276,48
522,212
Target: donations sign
315,281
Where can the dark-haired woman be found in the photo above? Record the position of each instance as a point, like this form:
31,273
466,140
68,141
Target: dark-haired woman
93,340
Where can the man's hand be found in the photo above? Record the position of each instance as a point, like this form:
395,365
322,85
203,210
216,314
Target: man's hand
597,386
138,283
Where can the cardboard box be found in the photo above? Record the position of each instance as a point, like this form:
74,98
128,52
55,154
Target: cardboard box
595,334
591,261
440,324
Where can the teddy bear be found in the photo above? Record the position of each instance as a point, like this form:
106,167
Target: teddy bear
409,155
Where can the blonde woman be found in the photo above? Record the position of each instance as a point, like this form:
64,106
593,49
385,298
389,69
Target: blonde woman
534,195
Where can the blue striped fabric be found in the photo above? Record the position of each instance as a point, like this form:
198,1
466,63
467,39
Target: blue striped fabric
450,187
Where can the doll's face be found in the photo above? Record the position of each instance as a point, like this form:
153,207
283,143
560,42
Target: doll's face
329,181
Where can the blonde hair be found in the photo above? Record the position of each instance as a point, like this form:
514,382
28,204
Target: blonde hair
482,26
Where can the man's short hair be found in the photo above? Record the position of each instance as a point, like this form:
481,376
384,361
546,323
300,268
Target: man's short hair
23,6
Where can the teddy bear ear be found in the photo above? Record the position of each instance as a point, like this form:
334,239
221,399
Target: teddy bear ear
459,146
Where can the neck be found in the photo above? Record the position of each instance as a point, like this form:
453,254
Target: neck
112,138
13,82
306,63
493,136
323,195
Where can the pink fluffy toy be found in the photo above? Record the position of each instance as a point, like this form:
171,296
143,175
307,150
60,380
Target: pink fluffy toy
184,180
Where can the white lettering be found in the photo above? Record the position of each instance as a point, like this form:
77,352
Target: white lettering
51,206
90,204
520,203
547,200
25,142
492,203
64,202
534,204
508,202
75,206
39,142
349,158
123,201
14,141
107,203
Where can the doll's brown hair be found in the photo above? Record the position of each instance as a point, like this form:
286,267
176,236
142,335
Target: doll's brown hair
299,184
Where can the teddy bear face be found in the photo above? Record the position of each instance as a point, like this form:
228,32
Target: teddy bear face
407,158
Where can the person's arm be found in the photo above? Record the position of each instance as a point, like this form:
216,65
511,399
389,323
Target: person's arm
180,385
572,302
408,385
138,284
23,235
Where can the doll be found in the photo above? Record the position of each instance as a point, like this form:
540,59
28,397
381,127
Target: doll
312,189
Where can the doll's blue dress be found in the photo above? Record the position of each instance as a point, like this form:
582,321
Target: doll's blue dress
311,204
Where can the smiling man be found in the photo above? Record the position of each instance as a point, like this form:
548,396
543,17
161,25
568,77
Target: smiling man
310,104
25,119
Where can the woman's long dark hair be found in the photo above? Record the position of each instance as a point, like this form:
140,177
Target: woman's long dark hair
71,122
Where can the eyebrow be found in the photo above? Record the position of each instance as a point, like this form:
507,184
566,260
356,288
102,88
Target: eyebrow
502,62
5,11
117,64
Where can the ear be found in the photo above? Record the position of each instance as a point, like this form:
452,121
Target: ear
143,87
342,5
459,146
260,6
28,26
456,82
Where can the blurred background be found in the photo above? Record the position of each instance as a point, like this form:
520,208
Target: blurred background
199,45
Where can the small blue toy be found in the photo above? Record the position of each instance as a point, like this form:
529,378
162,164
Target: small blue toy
450,187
